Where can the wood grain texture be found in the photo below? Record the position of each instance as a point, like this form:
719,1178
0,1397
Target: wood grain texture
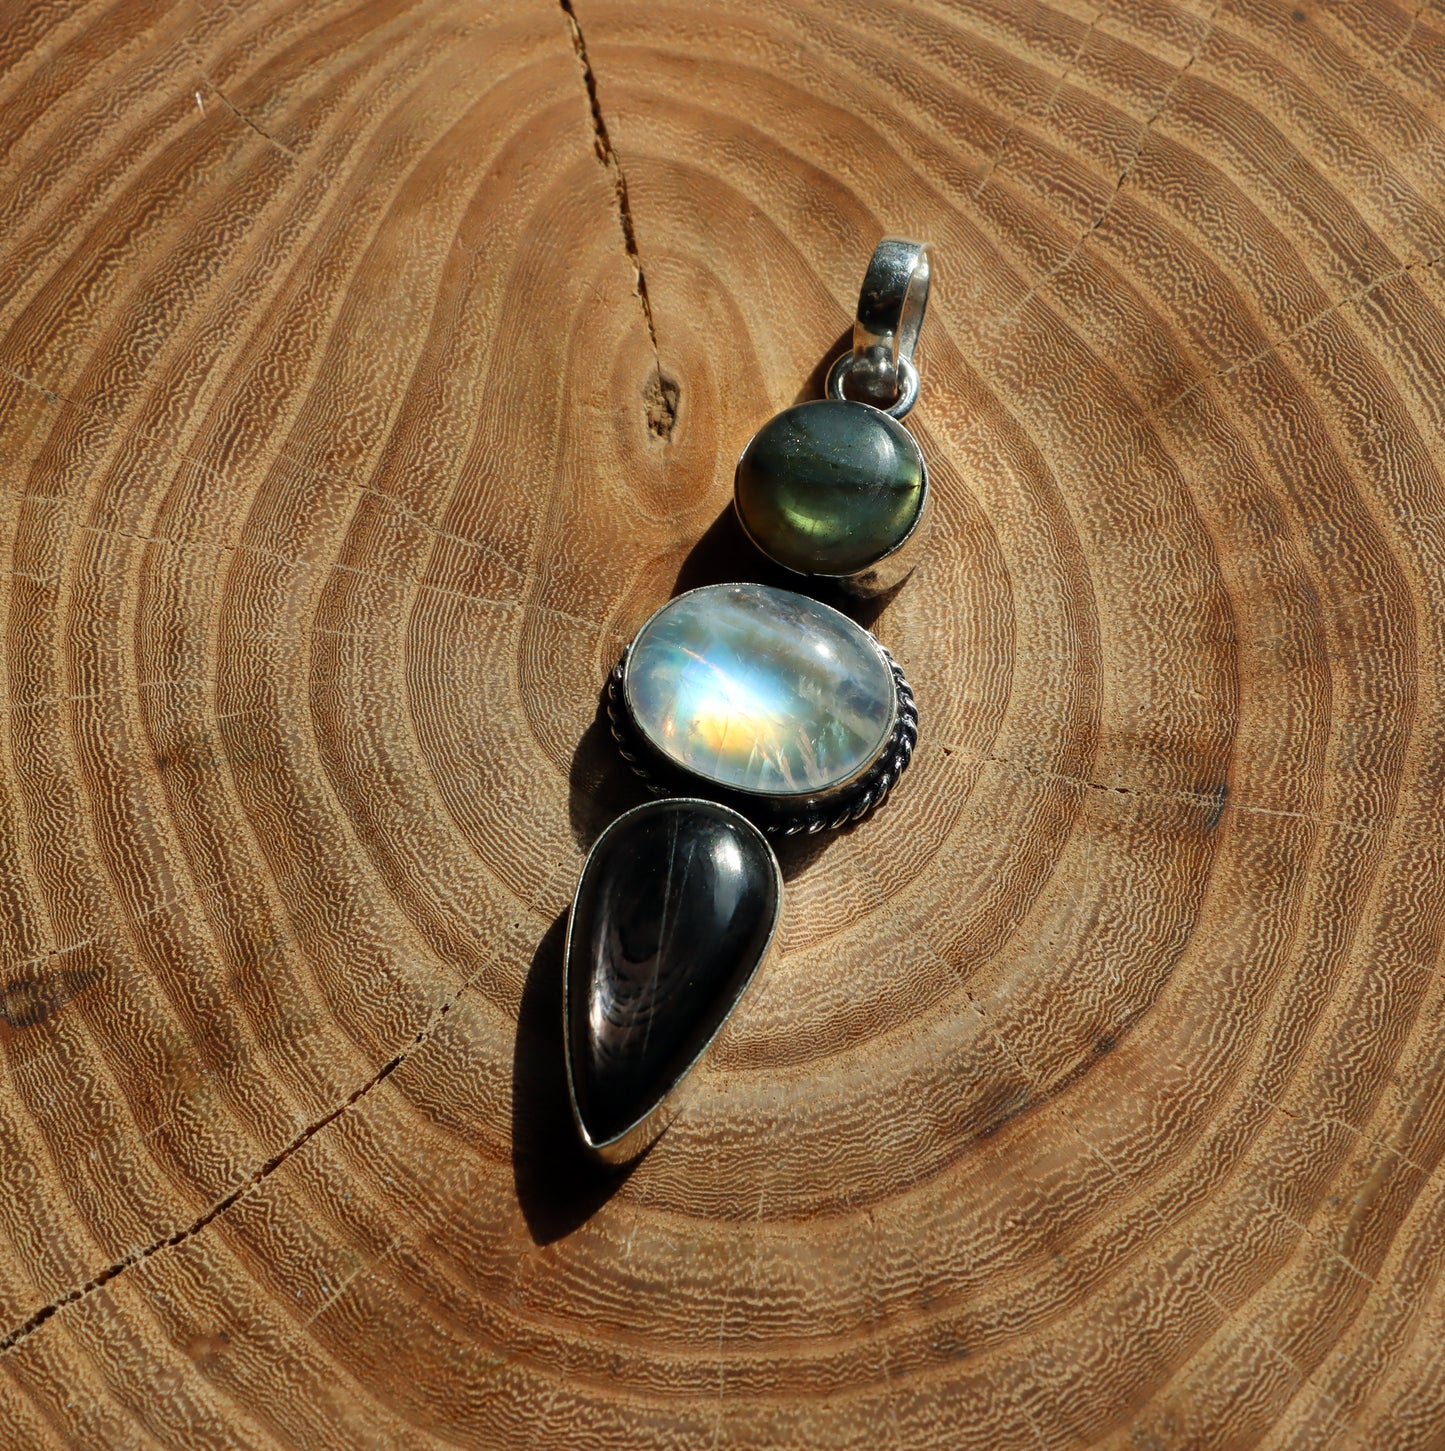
370,370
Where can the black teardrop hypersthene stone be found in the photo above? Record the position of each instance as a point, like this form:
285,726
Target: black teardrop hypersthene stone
673,915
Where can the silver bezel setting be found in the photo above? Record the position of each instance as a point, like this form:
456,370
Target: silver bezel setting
775,813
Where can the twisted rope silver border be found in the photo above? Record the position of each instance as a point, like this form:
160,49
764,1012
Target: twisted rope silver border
775,816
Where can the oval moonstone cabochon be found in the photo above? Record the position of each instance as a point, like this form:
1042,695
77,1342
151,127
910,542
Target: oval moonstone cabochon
830,487
674,912
760,690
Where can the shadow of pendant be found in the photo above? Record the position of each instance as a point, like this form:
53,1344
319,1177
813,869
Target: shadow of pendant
675,912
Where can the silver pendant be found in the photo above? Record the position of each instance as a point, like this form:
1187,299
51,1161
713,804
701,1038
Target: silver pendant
757,710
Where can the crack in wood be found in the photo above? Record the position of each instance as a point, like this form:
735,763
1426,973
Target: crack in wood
1229,369
231,106
1135,155
661,393
248,121
229,1200
1414,24
1048,110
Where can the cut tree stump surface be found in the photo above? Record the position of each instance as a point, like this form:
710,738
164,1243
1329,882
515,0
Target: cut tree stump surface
370,370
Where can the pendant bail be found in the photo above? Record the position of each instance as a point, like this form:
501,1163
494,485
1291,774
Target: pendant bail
891,305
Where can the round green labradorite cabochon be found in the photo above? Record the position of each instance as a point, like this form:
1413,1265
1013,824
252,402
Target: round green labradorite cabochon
830,487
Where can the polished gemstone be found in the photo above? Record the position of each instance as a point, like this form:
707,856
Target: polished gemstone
761,690
674,913
830,487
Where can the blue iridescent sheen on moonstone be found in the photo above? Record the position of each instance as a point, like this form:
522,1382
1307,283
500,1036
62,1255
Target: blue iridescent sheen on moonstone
761,690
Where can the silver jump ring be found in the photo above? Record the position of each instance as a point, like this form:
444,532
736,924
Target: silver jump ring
907,377
891,305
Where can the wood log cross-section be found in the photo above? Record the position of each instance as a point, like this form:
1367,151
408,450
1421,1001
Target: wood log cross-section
369,370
